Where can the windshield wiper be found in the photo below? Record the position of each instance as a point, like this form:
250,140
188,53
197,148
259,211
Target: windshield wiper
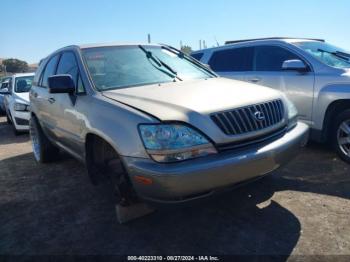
338,54
188,58
343,54
160,63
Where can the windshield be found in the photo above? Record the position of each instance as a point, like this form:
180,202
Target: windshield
126,66
23,84
326,53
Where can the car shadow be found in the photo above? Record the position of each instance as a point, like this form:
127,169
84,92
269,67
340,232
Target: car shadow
53,209
7,135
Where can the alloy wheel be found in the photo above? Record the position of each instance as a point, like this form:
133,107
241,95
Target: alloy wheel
35,141
343,137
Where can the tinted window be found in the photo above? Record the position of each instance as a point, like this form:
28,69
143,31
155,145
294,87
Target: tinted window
68,65
238,59
49,70
197,56
271,58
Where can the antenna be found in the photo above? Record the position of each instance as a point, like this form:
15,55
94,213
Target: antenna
217,43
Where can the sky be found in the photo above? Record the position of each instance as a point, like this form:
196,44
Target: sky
32,29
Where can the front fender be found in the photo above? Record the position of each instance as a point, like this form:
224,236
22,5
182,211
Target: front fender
327,96
117,124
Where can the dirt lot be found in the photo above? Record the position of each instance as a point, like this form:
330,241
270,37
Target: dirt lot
302,209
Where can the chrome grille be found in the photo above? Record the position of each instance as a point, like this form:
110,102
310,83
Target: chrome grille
250,118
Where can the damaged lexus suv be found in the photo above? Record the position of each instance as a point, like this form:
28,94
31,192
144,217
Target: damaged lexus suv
158,124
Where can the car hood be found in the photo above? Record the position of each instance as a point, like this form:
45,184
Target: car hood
177,100
193,101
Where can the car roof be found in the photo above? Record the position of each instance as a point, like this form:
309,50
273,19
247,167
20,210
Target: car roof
284,39
85,46
263,40
23,74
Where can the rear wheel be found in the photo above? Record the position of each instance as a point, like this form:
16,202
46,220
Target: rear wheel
44,151
341,135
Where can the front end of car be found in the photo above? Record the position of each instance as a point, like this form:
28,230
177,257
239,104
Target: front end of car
20,114
186,163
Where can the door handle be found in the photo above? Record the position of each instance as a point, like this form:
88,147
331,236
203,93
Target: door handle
255,79
52,100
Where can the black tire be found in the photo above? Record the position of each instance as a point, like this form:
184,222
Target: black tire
44,151
341,133
8,119
15,131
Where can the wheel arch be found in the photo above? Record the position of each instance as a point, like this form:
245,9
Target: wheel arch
333,109
93,140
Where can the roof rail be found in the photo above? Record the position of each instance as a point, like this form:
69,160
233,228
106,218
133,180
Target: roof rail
271,38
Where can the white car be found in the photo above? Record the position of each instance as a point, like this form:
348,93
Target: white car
17,101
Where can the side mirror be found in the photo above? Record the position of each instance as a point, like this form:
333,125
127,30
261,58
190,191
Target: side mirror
61,84
295,65
4,91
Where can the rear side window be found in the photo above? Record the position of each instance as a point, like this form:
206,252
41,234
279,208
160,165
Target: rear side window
238,59
271,58
49,70
197,56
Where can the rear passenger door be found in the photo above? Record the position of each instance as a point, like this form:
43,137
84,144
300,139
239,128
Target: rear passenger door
235,63
298,86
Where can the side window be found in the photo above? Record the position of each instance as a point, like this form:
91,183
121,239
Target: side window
80,86
49,71
238,59
271,58
68,65
197,56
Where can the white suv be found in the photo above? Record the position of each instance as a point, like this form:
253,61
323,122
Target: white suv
16,101
312,73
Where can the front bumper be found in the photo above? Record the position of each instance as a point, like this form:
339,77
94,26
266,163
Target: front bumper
183,181
21,120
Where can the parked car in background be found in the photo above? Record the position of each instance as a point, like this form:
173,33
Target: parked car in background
162,126
314,74
16,101
3,89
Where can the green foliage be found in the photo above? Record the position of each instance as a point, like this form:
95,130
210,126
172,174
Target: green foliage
186,49
15,65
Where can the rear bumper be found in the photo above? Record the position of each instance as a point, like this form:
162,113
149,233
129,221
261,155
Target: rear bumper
180,182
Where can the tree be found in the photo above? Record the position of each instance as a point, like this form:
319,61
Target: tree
186,49
15,65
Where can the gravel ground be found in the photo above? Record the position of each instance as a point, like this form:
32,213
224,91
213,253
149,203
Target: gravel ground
302,209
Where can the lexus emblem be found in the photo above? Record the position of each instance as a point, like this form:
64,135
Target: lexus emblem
259,116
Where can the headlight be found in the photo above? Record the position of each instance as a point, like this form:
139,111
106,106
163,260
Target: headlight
21,107
174,142
292,113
